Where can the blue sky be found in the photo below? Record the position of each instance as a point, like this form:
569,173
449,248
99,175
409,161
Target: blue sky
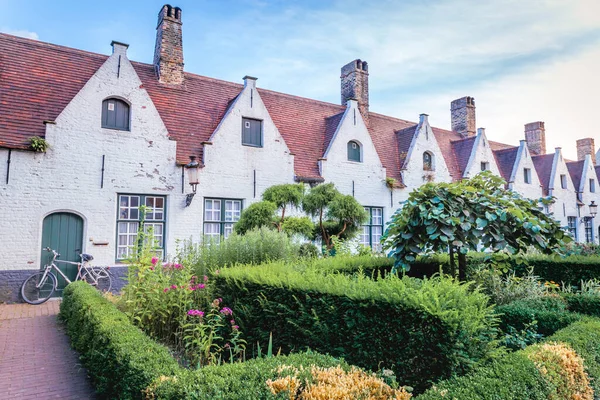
523,61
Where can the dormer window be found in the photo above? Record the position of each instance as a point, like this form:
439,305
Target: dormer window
115,114
427,161
252,132
354,153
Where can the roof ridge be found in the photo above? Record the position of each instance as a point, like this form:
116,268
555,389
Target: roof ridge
54,46
507,149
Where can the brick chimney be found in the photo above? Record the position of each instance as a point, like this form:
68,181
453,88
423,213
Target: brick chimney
462,115
585,147
355,85
535,136
168,51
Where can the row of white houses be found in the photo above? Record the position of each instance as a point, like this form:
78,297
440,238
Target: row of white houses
121,133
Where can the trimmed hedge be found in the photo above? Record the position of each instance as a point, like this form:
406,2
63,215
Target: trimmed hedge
423,330
239,381
516,377
121,359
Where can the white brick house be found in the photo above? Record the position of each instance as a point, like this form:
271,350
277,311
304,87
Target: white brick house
120,133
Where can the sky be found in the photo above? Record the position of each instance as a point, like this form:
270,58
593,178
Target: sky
522,60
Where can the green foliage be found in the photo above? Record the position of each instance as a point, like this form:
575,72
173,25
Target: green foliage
289,194
516,377
337,214
239,381
255,247
121,359
508,288
302,226
38,144
308,250
256,215
584,303
570,270
421,329
469,215
518,340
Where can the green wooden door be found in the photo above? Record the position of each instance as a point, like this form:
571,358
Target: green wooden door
62,232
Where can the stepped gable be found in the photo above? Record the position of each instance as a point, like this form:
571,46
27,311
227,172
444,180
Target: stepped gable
37,81
543,166
505,159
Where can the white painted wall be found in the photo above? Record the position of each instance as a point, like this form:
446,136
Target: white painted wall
517,183
424,140
565,204
587,197
481,152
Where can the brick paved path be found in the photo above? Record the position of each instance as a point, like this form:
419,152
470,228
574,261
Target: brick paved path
36,360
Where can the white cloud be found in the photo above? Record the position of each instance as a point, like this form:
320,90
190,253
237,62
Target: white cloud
21,33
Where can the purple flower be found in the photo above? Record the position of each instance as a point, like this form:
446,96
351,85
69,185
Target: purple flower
235,327
165,290
196,313
173,286
200,286
154,260
226,311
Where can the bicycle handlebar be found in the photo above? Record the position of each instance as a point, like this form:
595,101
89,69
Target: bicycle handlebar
53,251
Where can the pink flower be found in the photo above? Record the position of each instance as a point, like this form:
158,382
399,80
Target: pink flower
195,313
151,268
226,311
165,290
201,286
235,327
178,266
154,260
232,322
173,286
205,278
193,280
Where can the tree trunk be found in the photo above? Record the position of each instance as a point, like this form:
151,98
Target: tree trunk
462,267
452,262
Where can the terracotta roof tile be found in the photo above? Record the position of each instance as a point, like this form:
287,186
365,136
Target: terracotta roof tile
505,159
576,171
331,125
462,150
405,138
37,81
543,166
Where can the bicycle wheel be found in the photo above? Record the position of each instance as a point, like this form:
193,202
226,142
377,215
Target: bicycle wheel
37,289
98,277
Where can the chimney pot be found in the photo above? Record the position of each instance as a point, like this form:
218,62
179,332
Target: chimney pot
423,118
584,147
535,136
168,51
355,85
462,115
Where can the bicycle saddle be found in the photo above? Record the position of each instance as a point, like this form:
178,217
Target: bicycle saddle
87,257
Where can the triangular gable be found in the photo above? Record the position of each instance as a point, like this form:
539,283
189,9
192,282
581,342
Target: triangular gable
576,171
481,151
506,160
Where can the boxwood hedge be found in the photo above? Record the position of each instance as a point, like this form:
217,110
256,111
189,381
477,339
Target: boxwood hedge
424,330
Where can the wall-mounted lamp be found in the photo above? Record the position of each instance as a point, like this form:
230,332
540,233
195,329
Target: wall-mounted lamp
593,209
192,168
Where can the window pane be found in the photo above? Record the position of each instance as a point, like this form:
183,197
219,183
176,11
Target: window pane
353,151
377,216
135,201
227,230
134,213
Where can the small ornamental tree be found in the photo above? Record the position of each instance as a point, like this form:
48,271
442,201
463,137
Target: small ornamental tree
337,214
472,214
282,196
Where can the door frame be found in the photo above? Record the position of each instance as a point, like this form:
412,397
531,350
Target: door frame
38,257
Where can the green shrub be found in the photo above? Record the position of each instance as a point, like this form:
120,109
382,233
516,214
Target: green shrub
424,330
255,247
239,381
588,304
121,359
516,376
550,312
508,288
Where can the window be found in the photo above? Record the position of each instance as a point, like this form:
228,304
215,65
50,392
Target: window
129,219
115,114
252,132
527,175
592,186
563,181
219,217
485,166
589,236
372,232
427,161
354,151
572,227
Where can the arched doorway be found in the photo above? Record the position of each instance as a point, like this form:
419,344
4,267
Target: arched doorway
63,232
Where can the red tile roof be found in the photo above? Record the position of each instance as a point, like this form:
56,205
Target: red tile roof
576,171
37,81
405,138
505,159
543,166
462,149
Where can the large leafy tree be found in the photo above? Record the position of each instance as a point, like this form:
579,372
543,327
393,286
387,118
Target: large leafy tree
337,214
473,214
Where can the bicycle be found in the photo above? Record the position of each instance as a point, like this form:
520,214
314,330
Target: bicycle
40,286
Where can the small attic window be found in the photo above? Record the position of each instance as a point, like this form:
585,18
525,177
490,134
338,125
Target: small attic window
252,132
115,114
354,151
427,161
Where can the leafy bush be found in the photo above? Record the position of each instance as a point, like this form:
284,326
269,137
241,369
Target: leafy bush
550,312
584,303
516,376
570,270
238,381
508,288
255,247
421,329
121,359
518,340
